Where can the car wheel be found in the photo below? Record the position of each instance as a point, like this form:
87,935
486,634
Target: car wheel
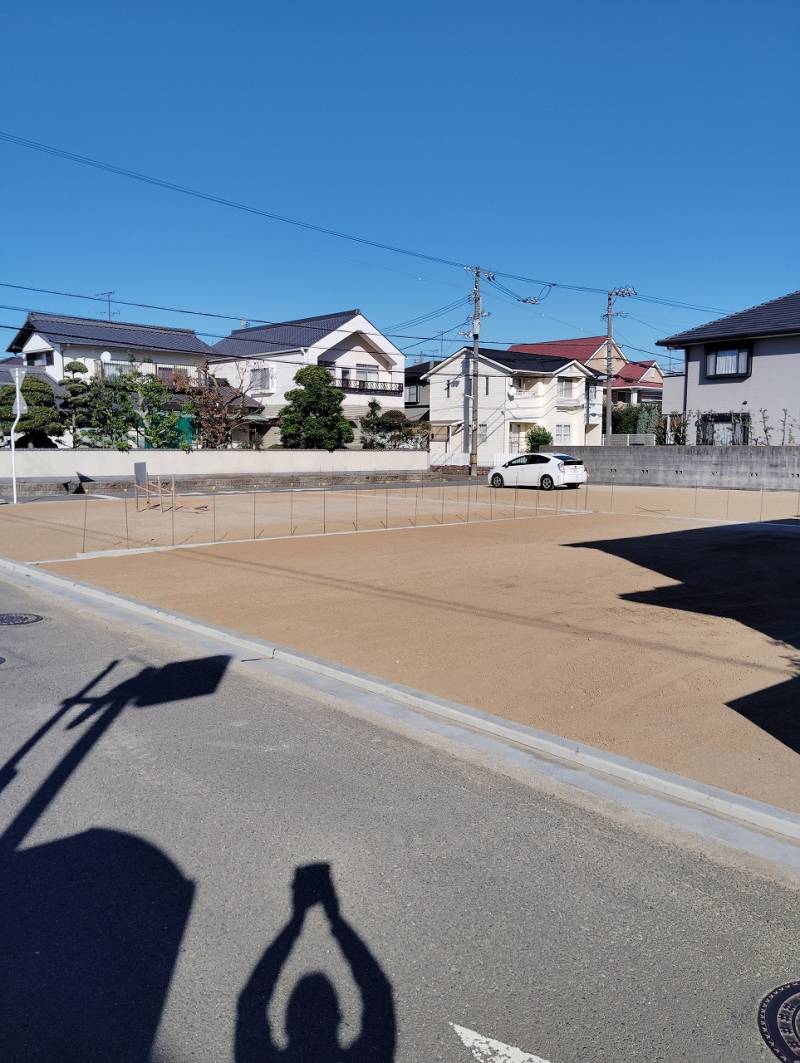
497,480
547,483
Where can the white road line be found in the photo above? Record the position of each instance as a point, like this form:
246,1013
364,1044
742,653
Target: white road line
485,1050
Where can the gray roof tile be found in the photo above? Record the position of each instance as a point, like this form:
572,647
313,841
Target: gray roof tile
778,317
94,332
259,340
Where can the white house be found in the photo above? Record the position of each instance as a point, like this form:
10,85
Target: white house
49,341
515,392
264,359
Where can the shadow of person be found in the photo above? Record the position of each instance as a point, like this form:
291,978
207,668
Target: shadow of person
313,1016
90,924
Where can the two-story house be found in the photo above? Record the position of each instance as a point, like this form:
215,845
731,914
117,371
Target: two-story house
108,348
741,379
515,392
417,391
630,382
263,359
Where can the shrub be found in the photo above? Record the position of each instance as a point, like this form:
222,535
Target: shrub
537,436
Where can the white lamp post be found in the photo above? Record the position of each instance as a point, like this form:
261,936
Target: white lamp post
105,358
20,407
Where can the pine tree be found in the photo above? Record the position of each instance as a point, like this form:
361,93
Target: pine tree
75,403
313,418
44,418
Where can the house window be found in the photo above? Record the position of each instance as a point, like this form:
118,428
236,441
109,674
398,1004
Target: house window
483,433
367,372
412,393
39,358
440,433
564,388
728,361
723,429
263,379
486,378
166,373
563,433
447,388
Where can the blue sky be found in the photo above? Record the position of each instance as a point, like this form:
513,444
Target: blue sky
596,144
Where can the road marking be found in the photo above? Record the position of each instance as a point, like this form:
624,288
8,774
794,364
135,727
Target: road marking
485,1050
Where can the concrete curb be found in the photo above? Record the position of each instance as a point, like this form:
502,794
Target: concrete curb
708,799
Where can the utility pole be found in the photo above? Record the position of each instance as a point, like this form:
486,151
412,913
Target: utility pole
615,293
476,332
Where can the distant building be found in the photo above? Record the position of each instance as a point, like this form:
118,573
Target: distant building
737,367
49,341
363,362
631,382
516,391
417,391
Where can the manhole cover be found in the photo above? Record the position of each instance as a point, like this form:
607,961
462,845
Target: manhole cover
779,1021
16,619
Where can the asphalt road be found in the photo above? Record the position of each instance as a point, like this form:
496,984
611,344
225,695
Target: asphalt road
151,906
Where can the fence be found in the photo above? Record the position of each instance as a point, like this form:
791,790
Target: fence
162,516
146,518
630,439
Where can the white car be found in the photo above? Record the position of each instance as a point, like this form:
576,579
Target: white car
539,470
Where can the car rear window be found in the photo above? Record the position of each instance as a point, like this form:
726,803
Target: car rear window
568,459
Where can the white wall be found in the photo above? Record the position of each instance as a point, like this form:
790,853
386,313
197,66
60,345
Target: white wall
147,360
672,397
349,353
65,464
535,401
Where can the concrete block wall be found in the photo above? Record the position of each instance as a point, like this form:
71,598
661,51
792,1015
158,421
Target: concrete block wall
747,468
113,464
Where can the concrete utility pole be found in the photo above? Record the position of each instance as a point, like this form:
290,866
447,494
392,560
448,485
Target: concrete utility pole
612,295
476,332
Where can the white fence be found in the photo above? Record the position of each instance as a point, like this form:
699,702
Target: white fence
65,465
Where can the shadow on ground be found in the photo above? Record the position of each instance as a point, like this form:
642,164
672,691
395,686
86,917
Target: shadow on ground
90,925
746,572
313,1017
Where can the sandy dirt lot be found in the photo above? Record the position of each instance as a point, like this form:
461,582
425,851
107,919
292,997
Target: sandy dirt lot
39,531
667,638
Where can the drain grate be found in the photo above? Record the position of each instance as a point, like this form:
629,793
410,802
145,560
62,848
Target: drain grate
17,619
779,1021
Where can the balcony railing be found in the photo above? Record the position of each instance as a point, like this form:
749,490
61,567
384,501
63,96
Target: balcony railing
368,387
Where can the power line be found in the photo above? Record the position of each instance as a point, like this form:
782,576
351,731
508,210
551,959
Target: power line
159,182
215,361
121,171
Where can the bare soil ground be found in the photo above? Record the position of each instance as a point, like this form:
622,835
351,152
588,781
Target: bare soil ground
659,634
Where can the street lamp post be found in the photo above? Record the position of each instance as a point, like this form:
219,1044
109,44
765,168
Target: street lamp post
20,407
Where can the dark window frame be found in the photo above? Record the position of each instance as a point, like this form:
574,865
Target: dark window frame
715,348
